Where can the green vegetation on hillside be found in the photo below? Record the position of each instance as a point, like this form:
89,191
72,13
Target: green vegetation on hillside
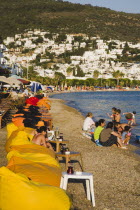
65,17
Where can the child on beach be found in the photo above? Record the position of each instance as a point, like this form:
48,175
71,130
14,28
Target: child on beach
118,115
88,125
112,116
119,127
126,135
130,116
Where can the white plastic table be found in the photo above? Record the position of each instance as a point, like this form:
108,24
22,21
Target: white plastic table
80,175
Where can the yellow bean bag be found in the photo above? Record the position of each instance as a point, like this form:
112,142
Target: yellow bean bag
18,192
47,156
34,148
10,128
38,172
17,137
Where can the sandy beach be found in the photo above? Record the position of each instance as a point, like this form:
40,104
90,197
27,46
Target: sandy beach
116,172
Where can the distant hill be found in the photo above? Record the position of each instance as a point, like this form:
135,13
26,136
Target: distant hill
59,16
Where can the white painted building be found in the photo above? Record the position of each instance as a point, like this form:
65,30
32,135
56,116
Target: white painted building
8,40
91,60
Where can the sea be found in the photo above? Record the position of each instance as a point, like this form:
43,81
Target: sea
101,102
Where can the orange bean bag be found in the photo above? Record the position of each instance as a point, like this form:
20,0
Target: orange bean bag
38,172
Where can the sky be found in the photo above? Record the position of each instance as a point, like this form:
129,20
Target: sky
128,6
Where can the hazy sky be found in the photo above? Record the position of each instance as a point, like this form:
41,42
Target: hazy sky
129,6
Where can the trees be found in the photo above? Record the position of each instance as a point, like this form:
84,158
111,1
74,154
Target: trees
38,40
96,74
49,36
26,50
78,38
94,45
126,48
117,75
61,38
70,70
80,72
1,40
65,17
112,45
4,72
50,55
11,45
59,78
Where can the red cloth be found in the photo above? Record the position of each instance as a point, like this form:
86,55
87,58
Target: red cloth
33,101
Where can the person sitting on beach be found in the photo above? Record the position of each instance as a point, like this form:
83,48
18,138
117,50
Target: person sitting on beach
88,125
108,137
130,116
40,137
119,127
126,135
99,127
112,116
118,115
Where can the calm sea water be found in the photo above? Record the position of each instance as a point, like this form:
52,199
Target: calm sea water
100,103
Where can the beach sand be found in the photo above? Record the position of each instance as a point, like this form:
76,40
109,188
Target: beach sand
116,172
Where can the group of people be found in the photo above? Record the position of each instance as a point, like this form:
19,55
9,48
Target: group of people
116,116
113,133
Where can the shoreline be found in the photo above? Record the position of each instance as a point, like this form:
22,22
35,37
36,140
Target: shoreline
116,172
67,104
104,90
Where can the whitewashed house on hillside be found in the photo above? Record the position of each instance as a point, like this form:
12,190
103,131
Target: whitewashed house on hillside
69,38
8,40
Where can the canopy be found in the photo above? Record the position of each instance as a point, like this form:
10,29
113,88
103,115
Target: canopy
3,79
13,81
36,87
9,80
24,82
16,76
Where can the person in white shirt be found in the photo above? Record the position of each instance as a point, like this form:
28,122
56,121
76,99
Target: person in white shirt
88,125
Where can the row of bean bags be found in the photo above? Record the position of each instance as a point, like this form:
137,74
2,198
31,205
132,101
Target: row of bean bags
32,176
17,192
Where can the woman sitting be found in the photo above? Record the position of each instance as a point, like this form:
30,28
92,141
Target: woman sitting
40,137
88,125
99,127
108,137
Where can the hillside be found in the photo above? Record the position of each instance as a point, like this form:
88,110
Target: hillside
55,16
